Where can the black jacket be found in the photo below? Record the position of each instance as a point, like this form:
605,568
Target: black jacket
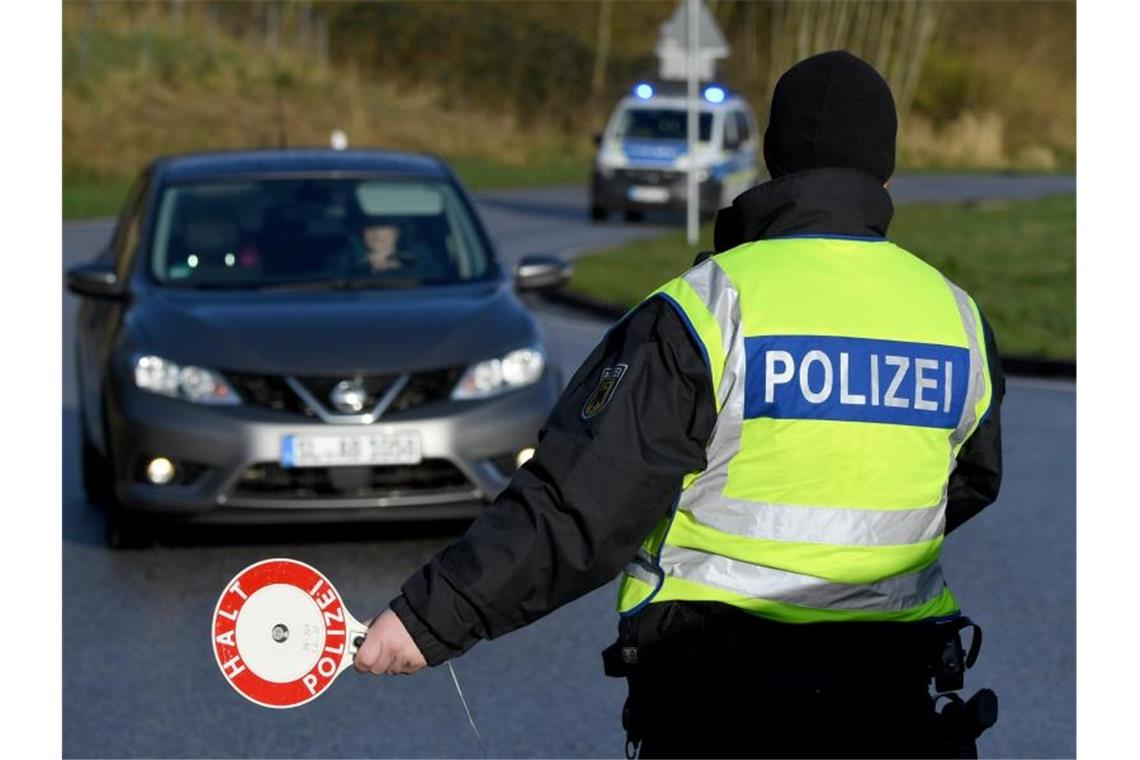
575,514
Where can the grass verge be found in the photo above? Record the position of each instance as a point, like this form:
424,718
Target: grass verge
1018,260
480,173
86,195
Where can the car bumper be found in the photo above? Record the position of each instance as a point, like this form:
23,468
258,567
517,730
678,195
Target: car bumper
231,459
614,193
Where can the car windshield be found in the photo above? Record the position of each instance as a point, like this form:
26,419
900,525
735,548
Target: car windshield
660,124
315,233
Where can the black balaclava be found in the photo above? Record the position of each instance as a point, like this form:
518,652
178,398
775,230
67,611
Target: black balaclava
829,111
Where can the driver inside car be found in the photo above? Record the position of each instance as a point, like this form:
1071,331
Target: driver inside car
381,243
411,249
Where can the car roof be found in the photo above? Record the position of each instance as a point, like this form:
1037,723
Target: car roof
297,161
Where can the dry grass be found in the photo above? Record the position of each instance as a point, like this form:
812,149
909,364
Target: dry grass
120,114
153,117
998,89
971,141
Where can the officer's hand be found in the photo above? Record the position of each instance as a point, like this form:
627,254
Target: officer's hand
388,648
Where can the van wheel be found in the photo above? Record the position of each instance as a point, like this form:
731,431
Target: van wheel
634,216
599,213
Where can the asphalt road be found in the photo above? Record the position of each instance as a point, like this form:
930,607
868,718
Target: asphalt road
139,678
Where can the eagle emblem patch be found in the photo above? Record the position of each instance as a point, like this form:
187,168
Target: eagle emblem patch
602,394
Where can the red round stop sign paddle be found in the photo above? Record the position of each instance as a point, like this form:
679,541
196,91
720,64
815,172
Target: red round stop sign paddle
281,633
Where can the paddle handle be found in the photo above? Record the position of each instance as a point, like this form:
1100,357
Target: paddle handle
356,633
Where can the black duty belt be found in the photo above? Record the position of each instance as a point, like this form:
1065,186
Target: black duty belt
930,649
654,639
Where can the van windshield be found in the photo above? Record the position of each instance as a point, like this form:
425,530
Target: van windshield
660,124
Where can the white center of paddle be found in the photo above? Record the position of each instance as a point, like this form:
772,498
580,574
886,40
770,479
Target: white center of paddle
280,633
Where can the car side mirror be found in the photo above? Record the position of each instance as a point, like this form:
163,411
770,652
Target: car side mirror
542,273
597,139
95,281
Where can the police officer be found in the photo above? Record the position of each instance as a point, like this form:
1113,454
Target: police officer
770,449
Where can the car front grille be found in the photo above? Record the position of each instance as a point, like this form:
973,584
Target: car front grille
270,392
375,386
275,392
271,480
425,388
649,176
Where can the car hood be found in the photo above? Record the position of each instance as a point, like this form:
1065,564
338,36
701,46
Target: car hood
331,332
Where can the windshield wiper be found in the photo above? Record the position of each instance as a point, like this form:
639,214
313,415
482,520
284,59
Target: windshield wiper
367,283
345,283
212,285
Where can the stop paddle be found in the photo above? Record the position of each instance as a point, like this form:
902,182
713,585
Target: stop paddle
281,633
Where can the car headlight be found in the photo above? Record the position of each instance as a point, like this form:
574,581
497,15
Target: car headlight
520,367
196,384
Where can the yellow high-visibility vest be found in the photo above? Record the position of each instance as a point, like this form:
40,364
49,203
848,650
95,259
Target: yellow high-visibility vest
847,373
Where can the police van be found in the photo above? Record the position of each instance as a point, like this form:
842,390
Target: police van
642,154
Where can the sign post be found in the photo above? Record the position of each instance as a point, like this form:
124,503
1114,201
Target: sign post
693,104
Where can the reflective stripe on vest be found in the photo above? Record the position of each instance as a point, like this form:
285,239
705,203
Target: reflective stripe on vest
847,374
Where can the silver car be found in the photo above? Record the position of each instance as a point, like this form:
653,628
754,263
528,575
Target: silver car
304,335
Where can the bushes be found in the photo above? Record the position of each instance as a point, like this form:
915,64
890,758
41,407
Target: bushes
510,83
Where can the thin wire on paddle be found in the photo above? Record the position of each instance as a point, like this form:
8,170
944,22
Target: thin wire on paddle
466,709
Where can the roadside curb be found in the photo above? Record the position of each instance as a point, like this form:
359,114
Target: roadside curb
1021,366
595,307
1029,366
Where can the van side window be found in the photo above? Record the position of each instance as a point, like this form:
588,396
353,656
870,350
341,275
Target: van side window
731,132
742,131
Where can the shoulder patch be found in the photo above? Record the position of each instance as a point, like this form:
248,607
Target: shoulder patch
604,391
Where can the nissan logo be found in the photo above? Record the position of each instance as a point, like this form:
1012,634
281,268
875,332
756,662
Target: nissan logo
349,397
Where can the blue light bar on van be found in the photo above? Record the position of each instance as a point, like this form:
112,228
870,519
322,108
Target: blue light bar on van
714,94
643,90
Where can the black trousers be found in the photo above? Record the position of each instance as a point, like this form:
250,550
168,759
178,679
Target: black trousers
707,680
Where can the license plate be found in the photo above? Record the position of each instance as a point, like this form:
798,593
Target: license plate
348,450
643,194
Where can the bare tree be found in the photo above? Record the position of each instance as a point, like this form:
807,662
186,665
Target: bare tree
926,23
820,14
841,25
894,35
272,25
322,35
304,19
888,21
864,15
779,32
803,17
601,53
902,49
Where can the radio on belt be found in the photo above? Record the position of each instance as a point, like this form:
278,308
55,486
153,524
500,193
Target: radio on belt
281,633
